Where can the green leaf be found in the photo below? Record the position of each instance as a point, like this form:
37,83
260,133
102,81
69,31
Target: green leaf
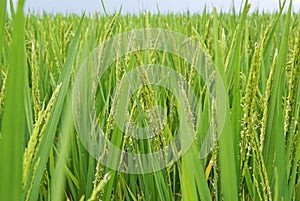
2,25
13,122
58,177
227,154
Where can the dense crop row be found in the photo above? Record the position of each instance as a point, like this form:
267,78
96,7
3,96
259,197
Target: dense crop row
258,152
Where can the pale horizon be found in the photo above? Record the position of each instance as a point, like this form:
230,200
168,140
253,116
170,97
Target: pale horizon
153,6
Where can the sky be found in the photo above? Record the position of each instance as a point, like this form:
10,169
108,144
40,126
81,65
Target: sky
137,6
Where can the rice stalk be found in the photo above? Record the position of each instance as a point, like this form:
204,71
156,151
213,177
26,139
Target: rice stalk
249,137
30,151
31,182
2,93
36,137
99,188
267,100
35,83
292,93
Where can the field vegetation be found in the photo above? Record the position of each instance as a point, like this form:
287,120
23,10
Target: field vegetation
258,152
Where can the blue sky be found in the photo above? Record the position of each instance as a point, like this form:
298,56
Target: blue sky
136,6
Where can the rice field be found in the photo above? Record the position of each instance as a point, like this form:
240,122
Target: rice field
241,114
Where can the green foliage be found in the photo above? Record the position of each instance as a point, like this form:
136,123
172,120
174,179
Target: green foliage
256,158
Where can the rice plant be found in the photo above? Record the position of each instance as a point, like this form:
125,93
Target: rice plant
256,156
